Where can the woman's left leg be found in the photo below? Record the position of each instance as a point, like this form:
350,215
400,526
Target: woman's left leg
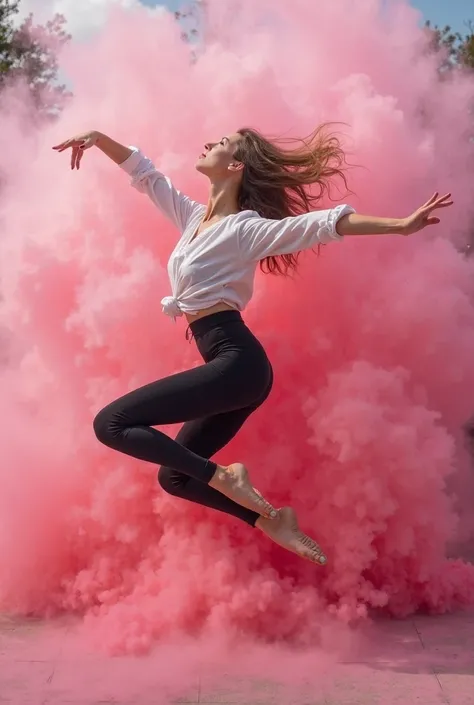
205,437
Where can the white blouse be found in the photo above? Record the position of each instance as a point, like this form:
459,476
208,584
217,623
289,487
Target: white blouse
219,264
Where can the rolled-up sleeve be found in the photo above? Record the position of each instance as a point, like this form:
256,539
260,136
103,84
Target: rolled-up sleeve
262,237
146,178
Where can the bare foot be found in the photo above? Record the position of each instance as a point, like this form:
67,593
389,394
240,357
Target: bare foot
286,533
234,483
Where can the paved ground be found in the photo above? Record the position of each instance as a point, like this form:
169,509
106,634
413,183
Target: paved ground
425,661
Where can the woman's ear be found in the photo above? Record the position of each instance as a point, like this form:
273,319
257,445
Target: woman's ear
236,166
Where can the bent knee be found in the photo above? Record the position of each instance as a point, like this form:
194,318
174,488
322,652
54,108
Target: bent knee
171,481
103,426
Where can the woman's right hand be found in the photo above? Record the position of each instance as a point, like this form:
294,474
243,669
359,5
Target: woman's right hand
78,145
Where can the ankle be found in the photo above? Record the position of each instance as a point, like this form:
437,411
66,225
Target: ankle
219,474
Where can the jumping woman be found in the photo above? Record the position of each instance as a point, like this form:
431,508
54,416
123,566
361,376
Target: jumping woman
260,211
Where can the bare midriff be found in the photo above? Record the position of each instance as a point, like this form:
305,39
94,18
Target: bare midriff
191,317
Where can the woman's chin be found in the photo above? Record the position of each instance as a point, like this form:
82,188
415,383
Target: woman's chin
200,166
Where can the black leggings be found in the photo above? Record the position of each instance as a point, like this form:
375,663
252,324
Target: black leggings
213,400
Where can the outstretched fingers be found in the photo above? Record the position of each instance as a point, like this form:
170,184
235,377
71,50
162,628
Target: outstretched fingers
430,201
437,201
77,154
61,147
442,202
75,157
80,154
77,145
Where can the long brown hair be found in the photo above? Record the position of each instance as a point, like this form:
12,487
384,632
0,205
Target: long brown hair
279,181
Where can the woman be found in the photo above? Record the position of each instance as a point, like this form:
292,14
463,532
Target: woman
259,211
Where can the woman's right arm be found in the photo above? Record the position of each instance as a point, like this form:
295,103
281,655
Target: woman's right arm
117,152
144,175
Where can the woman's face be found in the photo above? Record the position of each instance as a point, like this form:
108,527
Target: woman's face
218,161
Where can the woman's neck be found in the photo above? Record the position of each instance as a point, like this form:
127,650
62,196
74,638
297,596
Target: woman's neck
223,201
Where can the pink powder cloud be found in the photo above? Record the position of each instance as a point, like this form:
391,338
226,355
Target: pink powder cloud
372,344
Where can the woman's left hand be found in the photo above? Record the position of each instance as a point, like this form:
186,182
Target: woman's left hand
423,217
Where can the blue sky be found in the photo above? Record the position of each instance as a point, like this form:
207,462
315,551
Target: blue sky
171,4
447,12
441,12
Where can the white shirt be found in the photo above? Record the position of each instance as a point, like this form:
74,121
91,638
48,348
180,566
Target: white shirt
219,264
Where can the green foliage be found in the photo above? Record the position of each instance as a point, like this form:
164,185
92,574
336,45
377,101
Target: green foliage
457,49
8,8
28,53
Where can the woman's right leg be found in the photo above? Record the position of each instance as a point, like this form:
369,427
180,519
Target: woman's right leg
126,424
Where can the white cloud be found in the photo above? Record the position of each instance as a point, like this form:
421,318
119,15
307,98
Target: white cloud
84,17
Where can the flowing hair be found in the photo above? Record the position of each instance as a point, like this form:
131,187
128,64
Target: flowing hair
279,181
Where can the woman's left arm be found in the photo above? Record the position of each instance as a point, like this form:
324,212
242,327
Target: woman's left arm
355,224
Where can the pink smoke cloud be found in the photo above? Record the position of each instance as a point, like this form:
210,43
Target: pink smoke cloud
372,343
